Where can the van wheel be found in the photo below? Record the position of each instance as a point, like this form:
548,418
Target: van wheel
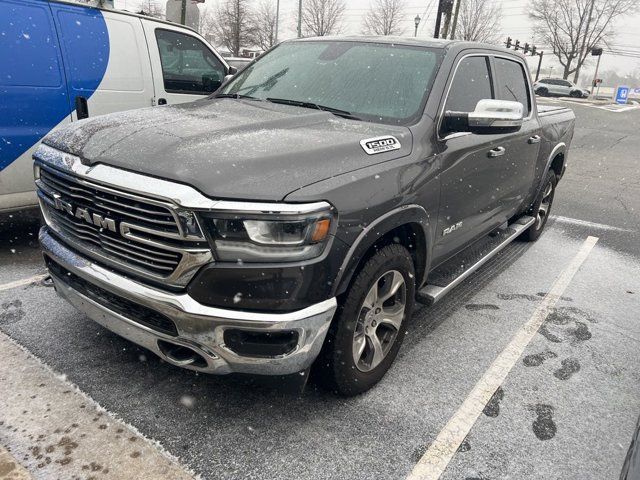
368,329
541,208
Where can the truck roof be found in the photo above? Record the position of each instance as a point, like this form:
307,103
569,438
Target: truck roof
412,41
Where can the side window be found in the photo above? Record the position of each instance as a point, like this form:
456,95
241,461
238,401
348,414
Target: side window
567,84
188,66
471,84
512,83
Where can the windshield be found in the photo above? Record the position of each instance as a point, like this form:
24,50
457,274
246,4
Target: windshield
382,83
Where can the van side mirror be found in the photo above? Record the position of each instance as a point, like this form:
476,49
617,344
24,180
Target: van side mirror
489,117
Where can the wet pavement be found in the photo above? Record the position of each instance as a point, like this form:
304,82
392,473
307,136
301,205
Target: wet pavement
567,408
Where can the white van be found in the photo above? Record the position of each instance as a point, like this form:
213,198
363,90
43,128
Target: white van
62,62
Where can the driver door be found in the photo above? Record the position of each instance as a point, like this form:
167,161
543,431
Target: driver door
185,68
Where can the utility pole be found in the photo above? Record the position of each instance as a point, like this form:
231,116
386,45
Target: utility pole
455,20
299,18
539,65
183,13
447,9
436,33
597,52
275,41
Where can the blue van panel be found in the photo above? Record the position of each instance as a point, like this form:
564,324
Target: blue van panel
32,84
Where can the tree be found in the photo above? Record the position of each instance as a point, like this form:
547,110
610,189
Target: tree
151,9
322,17
384,18
264,24
573,27
234,25
479,21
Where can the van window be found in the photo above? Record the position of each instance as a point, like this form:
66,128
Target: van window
188,66
513,83
471,84
29,56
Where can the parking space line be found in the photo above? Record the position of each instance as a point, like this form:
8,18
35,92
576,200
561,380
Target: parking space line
586,223
435,460
23,282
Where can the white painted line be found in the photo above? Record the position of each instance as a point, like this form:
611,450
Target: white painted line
441,451
56,431
585,223
23,282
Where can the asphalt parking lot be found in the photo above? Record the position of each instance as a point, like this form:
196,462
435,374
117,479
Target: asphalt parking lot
566,409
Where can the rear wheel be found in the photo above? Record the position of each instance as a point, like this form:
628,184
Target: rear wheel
541,208
368,330
543,92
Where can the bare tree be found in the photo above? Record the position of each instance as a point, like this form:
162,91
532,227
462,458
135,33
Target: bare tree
322,17
234,26
573,27
207,25
479,21
264,24
151,9
384,18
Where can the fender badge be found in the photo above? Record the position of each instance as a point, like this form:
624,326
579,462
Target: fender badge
380,144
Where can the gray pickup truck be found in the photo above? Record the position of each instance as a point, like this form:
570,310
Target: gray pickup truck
289,221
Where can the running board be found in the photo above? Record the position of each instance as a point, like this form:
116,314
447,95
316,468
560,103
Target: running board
455,270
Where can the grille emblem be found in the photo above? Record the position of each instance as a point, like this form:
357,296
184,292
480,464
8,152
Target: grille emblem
84,214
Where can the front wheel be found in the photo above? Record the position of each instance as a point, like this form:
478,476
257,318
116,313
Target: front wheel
368,330
541,208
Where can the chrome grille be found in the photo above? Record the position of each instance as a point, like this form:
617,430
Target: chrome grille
153,244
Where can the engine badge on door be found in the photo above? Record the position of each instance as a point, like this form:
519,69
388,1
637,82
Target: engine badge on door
380,144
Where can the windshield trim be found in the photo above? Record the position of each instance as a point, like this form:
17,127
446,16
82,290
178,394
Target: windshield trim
439,53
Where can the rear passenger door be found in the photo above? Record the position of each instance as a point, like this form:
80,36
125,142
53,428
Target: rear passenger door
517,165
185,67
106,60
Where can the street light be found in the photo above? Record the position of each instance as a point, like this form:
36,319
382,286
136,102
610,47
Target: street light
417,21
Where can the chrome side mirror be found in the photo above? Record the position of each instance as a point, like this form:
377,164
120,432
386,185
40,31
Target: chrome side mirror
496,114
489,117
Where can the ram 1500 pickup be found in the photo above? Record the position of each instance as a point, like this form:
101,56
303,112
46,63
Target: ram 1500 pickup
291,219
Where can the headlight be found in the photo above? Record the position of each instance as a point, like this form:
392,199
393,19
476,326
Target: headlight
272,237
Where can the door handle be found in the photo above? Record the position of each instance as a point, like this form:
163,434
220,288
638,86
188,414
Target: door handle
496,152
534,139
162,101
82,109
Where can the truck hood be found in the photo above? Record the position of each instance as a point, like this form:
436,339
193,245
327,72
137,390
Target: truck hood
229,148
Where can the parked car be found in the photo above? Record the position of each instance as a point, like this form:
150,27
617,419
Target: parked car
295,215
63,62
239,62
559,87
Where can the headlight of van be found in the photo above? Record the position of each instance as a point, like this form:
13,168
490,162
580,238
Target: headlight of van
278,236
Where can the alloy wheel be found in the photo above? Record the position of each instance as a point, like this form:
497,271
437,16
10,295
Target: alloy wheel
545,205
379,320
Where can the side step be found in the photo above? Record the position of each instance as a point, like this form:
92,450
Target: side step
451,273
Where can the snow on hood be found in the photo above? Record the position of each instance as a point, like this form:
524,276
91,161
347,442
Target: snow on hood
229,148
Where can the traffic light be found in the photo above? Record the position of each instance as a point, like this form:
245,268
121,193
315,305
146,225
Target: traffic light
517,45
508,42
533,50
526,48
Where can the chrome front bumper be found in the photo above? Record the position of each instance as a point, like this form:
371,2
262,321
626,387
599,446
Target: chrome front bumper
200,328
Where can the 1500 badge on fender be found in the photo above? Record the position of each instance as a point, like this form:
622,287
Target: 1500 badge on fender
380,144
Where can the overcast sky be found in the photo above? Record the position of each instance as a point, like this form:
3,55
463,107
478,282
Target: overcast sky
515,24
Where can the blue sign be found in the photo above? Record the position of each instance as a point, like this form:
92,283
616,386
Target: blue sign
622,93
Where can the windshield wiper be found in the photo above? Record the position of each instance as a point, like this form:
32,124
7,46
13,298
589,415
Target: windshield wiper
315,106
236,96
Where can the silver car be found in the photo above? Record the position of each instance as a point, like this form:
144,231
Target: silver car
559,87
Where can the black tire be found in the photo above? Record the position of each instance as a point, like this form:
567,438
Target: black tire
575,94
535,230
543,92
336,369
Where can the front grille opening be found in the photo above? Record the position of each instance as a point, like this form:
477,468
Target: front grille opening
182,355
131,310
260,344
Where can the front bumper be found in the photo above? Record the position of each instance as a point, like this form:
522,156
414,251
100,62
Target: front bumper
200,329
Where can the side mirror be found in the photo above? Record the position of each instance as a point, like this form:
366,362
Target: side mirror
489,117
232,71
